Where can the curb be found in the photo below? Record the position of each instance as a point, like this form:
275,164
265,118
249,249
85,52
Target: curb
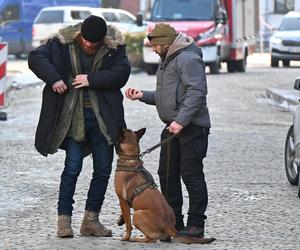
292,97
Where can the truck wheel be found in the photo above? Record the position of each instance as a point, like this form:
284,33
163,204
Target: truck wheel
274,62
286,63
231,66
151,69
214,68
241,64
18,56
291,168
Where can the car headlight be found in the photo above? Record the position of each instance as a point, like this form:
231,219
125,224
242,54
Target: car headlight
276,40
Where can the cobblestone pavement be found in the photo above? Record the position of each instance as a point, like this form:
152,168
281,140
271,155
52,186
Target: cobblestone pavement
251,204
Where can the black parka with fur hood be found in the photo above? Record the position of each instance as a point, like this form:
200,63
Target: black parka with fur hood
51,63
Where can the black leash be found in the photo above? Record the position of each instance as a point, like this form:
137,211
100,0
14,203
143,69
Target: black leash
149,150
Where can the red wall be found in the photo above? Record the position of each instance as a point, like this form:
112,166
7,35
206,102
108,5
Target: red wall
132,6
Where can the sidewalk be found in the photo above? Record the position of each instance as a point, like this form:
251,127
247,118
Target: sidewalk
291,97
19,75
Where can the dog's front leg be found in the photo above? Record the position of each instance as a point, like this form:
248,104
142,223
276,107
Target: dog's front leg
126,214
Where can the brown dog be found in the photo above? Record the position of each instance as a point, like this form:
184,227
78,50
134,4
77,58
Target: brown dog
135,188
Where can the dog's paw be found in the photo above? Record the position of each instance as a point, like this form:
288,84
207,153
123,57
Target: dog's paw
165,238
126,237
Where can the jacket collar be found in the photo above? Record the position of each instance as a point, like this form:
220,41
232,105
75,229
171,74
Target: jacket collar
112,40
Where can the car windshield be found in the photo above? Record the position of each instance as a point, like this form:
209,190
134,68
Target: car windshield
168,10
54,16
290,23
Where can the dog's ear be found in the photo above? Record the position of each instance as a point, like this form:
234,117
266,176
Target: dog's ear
140,133
120,138
121,134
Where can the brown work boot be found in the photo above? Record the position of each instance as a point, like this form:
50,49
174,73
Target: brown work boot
92,227
64,229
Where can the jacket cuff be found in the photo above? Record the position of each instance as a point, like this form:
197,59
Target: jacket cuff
148,97
181,120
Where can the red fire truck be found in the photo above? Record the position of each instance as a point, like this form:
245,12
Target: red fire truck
224,29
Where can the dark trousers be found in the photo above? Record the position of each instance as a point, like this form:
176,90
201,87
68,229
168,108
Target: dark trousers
102,154
182,158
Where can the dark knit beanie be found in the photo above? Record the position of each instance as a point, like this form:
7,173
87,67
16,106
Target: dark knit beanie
162,34
93,29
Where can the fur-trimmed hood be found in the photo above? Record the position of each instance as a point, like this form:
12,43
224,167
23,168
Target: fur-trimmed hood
113,38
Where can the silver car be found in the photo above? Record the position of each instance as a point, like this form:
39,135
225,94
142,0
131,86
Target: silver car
285,42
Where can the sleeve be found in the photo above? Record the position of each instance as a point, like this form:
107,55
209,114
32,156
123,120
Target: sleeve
114,77
192,73
41,63
148,97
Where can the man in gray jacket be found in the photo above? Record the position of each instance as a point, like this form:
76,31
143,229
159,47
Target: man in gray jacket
180,99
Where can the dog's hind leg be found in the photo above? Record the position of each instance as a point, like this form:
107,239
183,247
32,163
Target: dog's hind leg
145,222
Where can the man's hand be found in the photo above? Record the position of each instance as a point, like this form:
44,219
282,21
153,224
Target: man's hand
59,87
80,81
134,94
175,128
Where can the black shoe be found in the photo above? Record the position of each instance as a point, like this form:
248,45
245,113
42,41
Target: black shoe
192,231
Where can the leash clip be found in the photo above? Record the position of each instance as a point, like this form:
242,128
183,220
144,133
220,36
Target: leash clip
143,153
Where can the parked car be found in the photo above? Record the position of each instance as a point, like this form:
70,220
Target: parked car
285,42
51,19
122,19
292,149
16,19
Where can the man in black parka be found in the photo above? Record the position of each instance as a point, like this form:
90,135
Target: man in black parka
84,67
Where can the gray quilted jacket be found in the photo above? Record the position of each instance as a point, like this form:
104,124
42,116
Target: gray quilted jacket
181,85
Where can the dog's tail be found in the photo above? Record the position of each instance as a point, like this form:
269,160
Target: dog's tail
171,231
121,220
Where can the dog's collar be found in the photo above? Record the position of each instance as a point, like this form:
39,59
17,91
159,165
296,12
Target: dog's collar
128,157
129,169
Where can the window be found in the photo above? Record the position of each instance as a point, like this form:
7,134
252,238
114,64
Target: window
79,14
284,6
110,17
290,23
125,18
54,16
10,13
168,10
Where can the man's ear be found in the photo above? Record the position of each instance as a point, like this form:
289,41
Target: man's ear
140,133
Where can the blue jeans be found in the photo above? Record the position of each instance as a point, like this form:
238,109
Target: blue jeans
102,154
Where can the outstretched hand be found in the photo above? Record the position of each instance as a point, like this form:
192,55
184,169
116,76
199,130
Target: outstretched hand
134,94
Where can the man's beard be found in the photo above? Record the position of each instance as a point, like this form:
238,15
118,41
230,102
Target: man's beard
87,49
163,52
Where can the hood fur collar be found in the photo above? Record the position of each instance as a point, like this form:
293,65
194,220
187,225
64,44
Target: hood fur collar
113,38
